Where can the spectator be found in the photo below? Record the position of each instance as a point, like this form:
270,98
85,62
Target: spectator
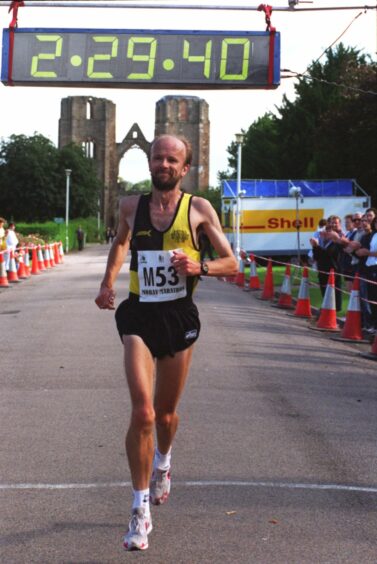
3,244
370,214
80,238
346,258
321,226
368,251
366,314
108,235
327,251
11,242
354,243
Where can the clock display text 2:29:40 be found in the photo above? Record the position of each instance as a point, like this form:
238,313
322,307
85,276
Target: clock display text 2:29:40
159,58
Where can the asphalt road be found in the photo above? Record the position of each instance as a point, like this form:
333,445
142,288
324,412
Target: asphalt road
274,460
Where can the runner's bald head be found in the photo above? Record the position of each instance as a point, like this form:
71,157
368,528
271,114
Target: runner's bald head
186,143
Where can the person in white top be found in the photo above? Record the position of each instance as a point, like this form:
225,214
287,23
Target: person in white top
11,241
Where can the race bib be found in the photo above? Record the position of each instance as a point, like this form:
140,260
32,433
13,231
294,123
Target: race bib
158,279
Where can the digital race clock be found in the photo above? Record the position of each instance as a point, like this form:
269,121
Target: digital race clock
140,58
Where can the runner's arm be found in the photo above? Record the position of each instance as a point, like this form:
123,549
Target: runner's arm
117,254
226,263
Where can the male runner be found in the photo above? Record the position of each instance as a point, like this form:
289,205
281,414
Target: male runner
159,322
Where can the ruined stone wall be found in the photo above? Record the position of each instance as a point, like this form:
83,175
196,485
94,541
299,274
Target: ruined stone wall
90,122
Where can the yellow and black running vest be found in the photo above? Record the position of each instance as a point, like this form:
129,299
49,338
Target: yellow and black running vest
152,277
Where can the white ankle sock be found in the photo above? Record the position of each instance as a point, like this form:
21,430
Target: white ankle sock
141,499
162,461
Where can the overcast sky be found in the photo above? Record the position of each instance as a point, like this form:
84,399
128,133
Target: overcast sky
304,36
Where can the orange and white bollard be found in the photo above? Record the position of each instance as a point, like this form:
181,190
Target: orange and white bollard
12,271
254,282
303,307
327,318
4,283
268,286
285,297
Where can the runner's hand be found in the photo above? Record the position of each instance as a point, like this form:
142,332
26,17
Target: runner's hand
184,265
105,298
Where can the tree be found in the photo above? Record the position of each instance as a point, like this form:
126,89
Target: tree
28,176
346,140
317,96
85,186
259,151
33,184
328,131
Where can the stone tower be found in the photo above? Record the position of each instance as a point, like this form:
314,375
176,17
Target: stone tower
188,116
90,123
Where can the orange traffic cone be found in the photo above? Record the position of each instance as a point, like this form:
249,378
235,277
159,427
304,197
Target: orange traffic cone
373,353
27,262
61,252
34,261
3,273
56,253
46,257
41,264
268,286
22,272
303,307
12,271
327,317
52,259
285,298
254,283
352,327
240,278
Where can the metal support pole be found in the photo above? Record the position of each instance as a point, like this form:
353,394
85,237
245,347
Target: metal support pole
67,178
135,5
298,231
239,141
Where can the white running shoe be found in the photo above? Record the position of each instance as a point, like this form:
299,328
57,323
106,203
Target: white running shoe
138,530
159,488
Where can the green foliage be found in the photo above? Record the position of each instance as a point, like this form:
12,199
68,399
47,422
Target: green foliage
50,231
142,186
327,131
33,180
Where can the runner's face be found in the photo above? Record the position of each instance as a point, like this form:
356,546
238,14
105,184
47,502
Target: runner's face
167,163
370,216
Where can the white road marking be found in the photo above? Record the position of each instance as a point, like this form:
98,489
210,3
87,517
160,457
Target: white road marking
197,484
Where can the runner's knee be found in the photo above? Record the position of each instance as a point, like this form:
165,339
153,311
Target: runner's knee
166,419
143,417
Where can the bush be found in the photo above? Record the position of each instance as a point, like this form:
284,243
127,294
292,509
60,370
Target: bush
50,231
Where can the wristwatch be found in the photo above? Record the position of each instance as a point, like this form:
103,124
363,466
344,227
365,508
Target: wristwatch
203,268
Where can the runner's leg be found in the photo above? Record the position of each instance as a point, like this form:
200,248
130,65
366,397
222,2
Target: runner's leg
171,375
139,367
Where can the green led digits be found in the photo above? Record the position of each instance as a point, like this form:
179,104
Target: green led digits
206,58
58,40
98,57
225,47
149,58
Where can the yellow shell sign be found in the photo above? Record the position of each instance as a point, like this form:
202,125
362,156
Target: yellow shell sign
280,221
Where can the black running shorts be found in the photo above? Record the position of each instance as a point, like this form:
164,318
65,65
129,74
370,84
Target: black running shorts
166,327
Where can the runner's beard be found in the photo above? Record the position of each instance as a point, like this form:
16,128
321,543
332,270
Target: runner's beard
164,185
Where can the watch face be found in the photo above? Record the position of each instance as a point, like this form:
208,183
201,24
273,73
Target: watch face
204,268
